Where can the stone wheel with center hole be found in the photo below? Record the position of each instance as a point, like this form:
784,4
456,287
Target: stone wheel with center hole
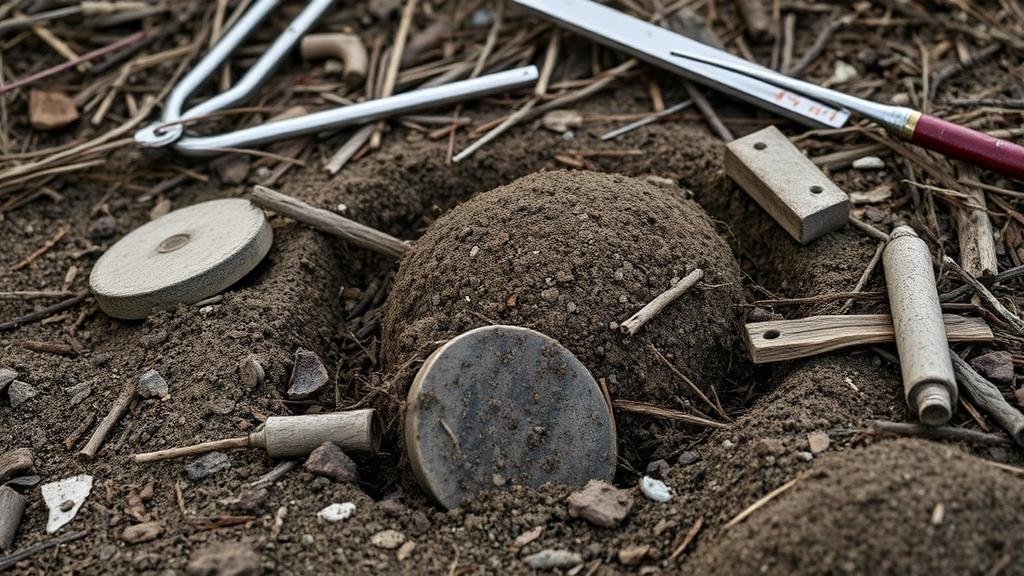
504,405
180,258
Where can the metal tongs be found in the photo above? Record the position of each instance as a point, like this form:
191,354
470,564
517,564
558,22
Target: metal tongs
927,131
169,132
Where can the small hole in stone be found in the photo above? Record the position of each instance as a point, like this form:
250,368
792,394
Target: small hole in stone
760,145
817,189
771,334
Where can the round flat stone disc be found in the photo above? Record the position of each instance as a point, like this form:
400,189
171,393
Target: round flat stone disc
501,406
180,258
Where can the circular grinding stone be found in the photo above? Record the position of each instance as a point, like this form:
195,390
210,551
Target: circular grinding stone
180,258
504,405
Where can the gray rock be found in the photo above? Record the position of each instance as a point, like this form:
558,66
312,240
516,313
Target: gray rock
207,465
103,227
222,406
20,392
658,469
688,457
249,501
601,504
996,366
251,371
331,462
79,392
7,375
153,385
231,559
309,375
550,559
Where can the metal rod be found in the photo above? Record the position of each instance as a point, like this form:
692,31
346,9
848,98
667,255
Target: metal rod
650,119
361,113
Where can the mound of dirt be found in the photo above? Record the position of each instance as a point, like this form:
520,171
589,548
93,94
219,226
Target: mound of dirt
570,254
900,507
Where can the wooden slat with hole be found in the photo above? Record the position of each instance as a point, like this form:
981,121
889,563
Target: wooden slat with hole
780,340
794,191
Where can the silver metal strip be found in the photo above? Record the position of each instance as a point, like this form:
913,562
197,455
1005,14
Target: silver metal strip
654,44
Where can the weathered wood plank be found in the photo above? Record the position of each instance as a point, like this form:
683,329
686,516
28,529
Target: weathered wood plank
781,340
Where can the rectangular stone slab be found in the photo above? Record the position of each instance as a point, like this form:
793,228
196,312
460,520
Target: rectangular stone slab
787,184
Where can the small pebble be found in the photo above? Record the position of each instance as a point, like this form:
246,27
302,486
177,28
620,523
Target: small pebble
550,559
308,540
387,539
153,385
207,465
405,551
688,457
337,512
103,227
331,462
251,371
818,442
20,392
658,469
868,163
309,375
7,375
655,489
142,532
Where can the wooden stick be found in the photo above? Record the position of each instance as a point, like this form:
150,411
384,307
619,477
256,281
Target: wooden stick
781,340
989,398
869,229
395,62
708,111
686,541
974,231
1004,276
20,555
761,502
987,297
12,507
117,410
884,427
865,276
349,149
659,412
201,448
756,18
329,222
14,462
77,433
644,315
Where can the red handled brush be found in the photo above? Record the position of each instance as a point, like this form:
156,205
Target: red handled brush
946,138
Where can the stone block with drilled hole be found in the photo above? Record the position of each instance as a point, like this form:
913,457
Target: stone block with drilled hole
787,184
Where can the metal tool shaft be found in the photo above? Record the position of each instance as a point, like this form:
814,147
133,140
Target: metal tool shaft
928,380
361,113
653,44
157,135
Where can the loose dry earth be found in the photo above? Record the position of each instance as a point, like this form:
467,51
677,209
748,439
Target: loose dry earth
863,505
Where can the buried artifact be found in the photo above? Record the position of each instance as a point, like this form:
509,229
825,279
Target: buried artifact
504,405
182,257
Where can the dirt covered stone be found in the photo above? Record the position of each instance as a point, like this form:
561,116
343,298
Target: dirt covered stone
572,254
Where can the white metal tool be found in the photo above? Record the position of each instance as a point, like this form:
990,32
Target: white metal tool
170,130
655,44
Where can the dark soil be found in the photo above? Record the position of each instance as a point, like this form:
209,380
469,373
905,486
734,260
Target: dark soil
571,254
864,505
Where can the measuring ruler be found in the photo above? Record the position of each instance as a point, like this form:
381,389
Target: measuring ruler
654,44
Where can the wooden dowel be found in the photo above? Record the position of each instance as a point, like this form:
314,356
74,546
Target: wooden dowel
20,555
987,397
655,306
202,448
12,507
329,222
781,340
117,410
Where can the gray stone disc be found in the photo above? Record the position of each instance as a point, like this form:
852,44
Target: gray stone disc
501,406
180,258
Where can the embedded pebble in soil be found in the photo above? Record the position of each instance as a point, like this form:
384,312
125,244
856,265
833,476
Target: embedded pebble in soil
607,245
